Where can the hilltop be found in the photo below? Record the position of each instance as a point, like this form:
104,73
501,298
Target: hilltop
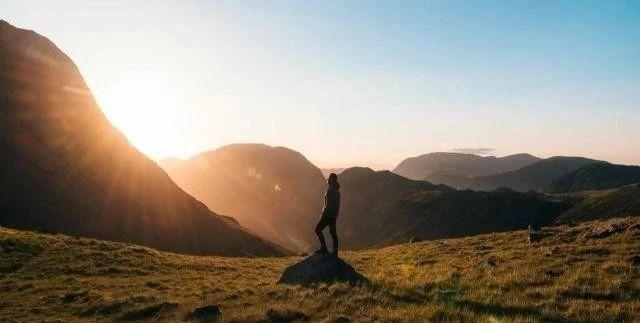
578,273
273,191
327,171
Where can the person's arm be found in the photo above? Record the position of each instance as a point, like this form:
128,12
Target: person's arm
325,208
333,201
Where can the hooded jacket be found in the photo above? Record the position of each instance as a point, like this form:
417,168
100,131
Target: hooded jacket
332,201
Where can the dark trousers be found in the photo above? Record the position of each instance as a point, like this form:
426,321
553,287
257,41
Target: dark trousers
324,222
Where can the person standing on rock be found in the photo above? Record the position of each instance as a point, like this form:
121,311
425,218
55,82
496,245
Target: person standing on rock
329,215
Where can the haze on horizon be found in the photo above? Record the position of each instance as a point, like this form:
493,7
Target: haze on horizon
358,82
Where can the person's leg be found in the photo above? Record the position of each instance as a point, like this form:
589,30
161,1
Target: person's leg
334,235
321,225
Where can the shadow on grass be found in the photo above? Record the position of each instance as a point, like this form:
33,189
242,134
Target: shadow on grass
148,312
585,295
511,311
455,298
409,297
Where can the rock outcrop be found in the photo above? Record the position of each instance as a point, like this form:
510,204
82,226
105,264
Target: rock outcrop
321,269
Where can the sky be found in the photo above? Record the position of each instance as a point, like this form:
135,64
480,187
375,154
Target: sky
364,83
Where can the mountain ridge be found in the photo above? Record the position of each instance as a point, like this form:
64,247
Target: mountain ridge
422,167
601,204
536,176
67,169
597,176
274,191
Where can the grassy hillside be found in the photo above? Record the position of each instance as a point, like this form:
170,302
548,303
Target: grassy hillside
535,176
600,176
568,276
591,205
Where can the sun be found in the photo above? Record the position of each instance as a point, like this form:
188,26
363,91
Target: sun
146,110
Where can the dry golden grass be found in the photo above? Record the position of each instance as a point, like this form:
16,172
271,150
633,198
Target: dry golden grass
486,278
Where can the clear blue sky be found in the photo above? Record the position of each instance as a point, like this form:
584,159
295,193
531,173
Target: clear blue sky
358,82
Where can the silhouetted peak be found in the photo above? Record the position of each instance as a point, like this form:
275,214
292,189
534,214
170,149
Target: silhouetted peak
244,149
70,171
520,155
356,172
552,158
273,191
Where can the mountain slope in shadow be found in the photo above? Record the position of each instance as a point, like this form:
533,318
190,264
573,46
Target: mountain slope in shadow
274,191
533,177
599,176
65,168
602,204
383,208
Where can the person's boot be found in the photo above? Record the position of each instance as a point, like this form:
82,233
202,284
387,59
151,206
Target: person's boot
322,251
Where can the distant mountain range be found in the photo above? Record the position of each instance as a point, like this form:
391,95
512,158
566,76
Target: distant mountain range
436,165
274,191
65,168
383,208
521,172
533,177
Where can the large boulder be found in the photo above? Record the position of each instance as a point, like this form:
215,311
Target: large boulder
320,269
